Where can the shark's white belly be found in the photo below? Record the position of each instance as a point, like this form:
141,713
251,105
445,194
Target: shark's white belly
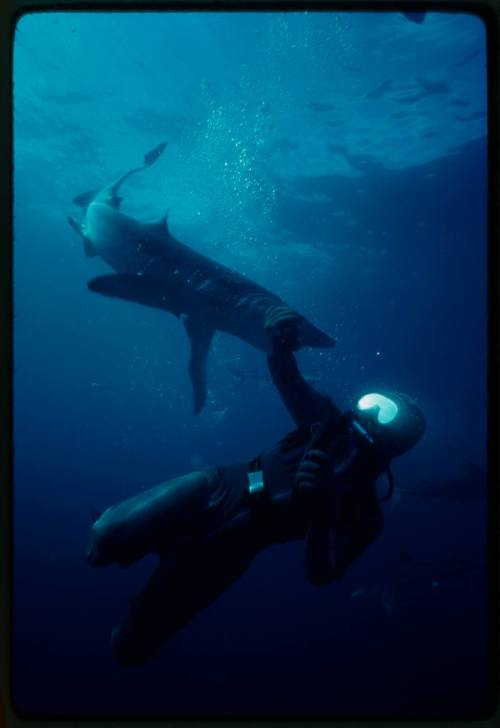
116,238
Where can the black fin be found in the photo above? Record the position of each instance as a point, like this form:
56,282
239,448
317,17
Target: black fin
164,222
76,226
154,154
160,227
86,198
147,290
200,336
89,248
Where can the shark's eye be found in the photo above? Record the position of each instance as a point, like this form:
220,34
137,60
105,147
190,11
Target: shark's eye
387,408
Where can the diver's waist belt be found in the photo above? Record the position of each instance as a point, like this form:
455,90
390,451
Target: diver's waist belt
255,483
256,493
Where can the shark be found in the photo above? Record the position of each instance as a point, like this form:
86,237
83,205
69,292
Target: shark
155,269
470,485
399,586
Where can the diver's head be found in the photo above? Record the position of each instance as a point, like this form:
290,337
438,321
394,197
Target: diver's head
392,421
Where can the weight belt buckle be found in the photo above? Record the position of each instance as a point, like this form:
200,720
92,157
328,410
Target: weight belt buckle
255,482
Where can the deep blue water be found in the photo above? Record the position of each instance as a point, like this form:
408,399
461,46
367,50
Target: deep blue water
363,204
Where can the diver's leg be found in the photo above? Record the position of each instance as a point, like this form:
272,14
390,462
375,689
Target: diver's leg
153,521
177,591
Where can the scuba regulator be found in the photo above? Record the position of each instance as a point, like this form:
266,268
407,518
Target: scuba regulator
381,427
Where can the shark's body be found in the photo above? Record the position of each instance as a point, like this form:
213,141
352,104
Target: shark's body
155,269
400,586
470,486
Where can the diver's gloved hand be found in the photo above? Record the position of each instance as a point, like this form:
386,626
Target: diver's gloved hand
314,474
282,323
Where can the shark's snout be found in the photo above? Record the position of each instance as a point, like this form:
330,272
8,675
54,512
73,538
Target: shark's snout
93,555
97,552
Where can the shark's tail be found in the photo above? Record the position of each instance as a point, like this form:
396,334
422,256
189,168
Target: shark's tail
86,198
149,159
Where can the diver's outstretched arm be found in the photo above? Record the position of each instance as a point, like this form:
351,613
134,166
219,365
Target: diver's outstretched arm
304,403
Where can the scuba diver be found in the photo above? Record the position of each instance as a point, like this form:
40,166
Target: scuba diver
316,485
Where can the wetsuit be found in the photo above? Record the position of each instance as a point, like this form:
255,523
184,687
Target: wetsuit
207,527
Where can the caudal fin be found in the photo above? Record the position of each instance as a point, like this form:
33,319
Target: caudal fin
151,157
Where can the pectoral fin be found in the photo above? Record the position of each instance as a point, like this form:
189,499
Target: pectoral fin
106,194
158,293
200,336
147,290
88,247
86,198
77,227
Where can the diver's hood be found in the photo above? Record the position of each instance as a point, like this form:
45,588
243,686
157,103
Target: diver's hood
392,420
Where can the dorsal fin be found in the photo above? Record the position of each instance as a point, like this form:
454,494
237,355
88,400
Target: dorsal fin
164,221
161,226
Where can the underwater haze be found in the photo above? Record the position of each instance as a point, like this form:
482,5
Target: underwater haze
339,160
